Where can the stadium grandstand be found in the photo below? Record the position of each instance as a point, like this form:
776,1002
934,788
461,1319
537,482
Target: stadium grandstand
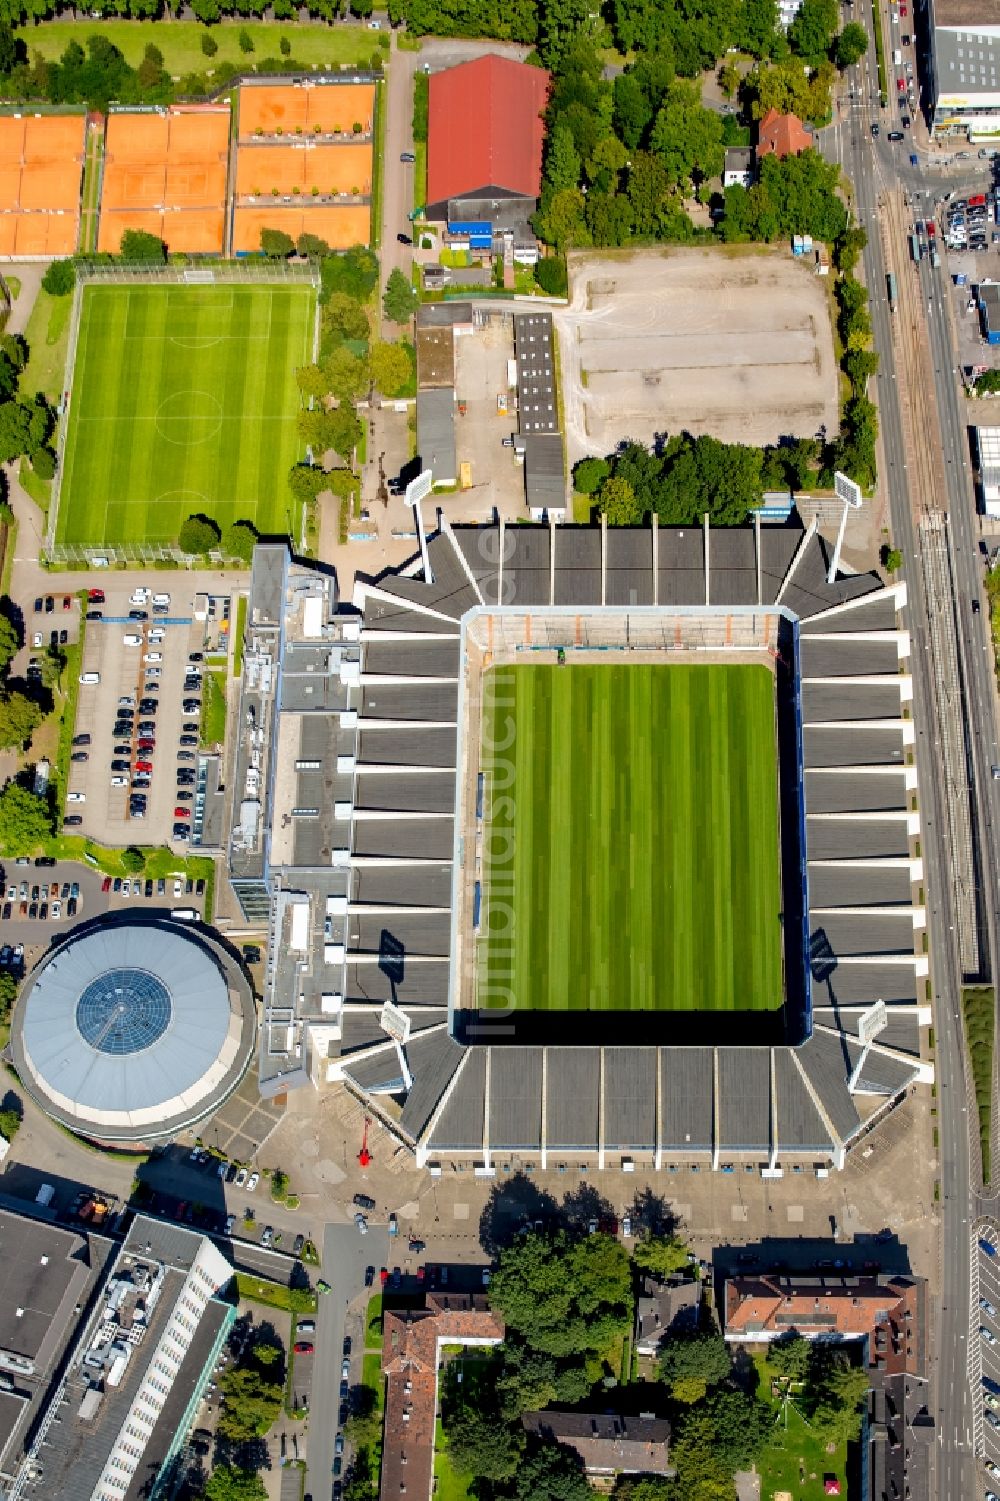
165,172
352,774
41,172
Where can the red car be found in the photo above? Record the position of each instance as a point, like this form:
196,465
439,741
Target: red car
67,601
106,884
144,766
303,1347
383,1276
900,84
147,745
95,596
182,812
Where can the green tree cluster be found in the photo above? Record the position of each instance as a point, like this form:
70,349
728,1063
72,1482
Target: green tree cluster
230,1483
399,300
796,195
25,820
198,536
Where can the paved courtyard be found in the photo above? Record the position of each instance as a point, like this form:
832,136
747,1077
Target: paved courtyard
736,343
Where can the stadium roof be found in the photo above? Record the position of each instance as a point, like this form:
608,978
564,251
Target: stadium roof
132,1029
485,129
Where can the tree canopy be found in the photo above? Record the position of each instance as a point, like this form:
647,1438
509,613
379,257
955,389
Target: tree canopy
198,535
25,820
391,367
60,278
399,300
663,1255
10,636
228,1483
20,716
139,245
564,1296
239,540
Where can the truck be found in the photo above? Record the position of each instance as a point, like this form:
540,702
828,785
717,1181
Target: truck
915,249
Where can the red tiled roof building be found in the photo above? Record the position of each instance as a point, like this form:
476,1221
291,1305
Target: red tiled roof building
484,140
781,136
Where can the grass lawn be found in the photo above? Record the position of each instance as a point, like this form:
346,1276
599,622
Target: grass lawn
40,490
795,1460
635,843
273,1294
213,708
371,1376
450,1484
978,1007
47,334
183,402
241,626
373,1323
180,41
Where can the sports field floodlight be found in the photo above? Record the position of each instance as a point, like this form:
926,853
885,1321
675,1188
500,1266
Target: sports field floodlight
871,1023
849,492
396,1024
416,491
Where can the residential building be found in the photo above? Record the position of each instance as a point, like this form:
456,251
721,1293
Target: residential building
781,136
738,169
412,1344
963,68
127,1395
484,150
664,1308
608,1443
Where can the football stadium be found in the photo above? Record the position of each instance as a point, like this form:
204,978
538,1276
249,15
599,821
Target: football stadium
182,401
602,846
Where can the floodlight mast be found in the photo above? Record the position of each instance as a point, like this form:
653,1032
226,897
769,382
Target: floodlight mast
415,492
871,1023
850,493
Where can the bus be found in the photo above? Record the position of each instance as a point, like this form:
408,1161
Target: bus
890,283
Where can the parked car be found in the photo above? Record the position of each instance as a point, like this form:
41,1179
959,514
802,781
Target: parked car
303,1347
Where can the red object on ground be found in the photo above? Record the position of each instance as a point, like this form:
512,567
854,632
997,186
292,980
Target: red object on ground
364,1156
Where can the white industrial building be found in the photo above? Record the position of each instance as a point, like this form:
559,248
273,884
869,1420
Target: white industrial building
964,68
988,452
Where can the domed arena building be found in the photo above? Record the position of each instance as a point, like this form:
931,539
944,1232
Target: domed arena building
131,1030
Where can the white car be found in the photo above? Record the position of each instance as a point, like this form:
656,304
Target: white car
361,1223
56,909
37,639
988,1307
157,635
627,1226
178,888
139,597
241,1177
153,656
76,797
252,1182
161,599
127,886
131,639
987,1335
119,781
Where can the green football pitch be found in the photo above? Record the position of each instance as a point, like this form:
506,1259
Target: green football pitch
632,848
183,401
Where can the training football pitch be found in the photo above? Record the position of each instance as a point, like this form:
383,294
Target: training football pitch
631,856
183,401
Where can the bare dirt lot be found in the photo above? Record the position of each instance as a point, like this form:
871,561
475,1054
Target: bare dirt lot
729,342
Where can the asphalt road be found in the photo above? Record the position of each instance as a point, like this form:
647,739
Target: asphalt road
872,165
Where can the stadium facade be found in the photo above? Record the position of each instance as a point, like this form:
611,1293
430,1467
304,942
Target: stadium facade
353,832
132,1030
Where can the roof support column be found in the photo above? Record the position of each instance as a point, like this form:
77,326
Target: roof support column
600,1116
604,559
545,1109
756,553
656,559
705,530
716,1124
486,1110
552,562
658,1113
500,598
773,1157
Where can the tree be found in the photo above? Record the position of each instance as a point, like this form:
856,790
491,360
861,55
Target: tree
251,1402
338,429
53,664
306,481
648,187
245,40
285,48
562,160
616,500
560,221
552,1473
391,370
479,1443
25,819
10,1122
892,559
835,1394
564,1297
851,45
10,637
550,274
687,137
663,1255
43,462
311,245
8,995
20,716
276,244
132,860
399,299
208,44
198,535
138,245
589,475
364,1425
790,1357
812,31
227,1483
345,374
15,421
239,540
344,318
59,279
353,272
8,48
702,1356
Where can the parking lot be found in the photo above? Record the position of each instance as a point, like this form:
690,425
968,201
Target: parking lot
984,1349
480,377
734,344
135,751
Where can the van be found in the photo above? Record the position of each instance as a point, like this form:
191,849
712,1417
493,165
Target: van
185,914
90,677
161,599
76,797
153,656
897,58
130,639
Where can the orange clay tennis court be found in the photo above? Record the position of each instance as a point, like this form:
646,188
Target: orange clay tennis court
41,168
340,226
330,108
165,173
331,169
